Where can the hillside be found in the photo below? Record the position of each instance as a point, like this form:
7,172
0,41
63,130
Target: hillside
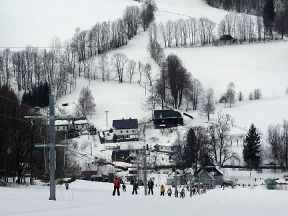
260,65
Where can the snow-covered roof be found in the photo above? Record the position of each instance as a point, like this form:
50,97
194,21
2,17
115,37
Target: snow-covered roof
81,122
61,122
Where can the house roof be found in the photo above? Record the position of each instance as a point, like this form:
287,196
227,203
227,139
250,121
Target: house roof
210,169
226,37
61,122
164,114
125,124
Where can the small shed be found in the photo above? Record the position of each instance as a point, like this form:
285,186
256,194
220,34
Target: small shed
167,118
227,39
205,178
210,176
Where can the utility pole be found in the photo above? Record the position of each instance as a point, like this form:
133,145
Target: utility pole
144,163
52,162
106,118
52,144
145,171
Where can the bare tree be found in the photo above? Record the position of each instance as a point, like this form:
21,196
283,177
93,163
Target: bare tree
208,103
278,140
193,93
131,69
119,60
230,94
86,105
257,95
147,72
103,66
131,18
219,140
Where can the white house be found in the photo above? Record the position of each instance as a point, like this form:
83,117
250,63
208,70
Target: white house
125,129
61,125
81,124
163,148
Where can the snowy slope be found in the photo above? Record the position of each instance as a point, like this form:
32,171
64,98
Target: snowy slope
249,66
173,10
37,22
262,113
90,198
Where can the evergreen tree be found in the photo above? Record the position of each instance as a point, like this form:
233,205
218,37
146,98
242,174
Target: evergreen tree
191,149
269,16
251,151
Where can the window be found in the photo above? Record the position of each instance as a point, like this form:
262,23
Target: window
121,131
132,131
127,131
63,127
57,128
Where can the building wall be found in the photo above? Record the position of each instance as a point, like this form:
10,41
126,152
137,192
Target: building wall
126,133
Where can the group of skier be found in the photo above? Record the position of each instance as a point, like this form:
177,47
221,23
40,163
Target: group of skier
195,189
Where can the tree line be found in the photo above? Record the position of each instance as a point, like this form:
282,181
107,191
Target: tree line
201,146
63,62
273,12
19,158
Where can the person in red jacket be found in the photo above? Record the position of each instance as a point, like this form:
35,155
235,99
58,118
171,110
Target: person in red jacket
116,183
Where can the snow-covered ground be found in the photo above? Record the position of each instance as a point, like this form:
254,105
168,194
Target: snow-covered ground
173,10
90,198
250,66
37,22
263,113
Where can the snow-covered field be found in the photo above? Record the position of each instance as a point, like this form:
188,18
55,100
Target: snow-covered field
249,66
89,198
173,10
263,113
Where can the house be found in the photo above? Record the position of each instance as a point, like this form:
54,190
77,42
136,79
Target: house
224,39
167,118
61,125
65,125
125,129
81,125
209,176
163,148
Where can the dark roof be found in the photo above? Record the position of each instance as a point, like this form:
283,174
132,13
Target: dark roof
163,114
210,169
226,37
125,124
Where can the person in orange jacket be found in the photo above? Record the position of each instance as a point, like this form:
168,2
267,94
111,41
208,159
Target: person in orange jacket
116,183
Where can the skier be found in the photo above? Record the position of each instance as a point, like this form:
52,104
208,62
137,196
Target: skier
169,192
67,185
176,192
162,190
150,186
123,187
116,183
182,193
135,187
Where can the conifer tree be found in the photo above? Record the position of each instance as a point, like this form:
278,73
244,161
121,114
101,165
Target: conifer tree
251,151
269,16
